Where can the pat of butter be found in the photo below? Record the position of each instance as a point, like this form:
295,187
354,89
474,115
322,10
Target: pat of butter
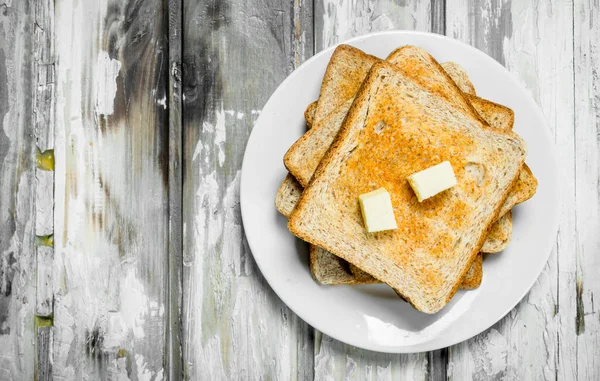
433,180
377,211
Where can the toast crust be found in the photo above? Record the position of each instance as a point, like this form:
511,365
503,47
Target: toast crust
470,281
304,214
499,235
497,116
309,114
460,76
419,72
346,63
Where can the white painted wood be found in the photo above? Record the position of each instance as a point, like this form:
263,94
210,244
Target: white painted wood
44,294
43,70
337,361
17,191
587,191
111,216
44,106
339,20
235,55
173,352
44,202
44,354
534,41
44,229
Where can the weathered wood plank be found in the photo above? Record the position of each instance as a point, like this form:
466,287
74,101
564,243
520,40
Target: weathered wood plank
438,16
303,48
339,20
17,191
44,296
587,192
112,202
173,350
44,104
235,55
534,41
44,107
44,354
337,361
336,21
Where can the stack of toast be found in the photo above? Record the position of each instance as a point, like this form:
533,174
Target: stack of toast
375,123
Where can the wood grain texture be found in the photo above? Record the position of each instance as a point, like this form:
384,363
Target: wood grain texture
17,191
44,354
235,55
112,206
339,20
586,19
538,339
174,294
43,110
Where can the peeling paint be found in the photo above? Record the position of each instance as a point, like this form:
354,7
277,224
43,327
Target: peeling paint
218,129
340,20
107,71
17,196
111,216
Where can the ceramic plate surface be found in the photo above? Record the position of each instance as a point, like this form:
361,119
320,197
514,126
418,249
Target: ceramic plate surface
372,316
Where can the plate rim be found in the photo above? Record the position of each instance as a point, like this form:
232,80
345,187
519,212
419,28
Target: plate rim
546,249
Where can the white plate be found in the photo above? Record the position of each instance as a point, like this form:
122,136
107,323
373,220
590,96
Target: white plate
373,317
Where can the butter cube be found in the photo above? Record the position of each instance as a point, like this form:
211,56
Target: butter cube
433,180
377,211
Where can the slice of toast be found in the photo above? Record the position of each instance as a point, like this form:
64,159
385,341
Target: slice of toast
499,235
460,76
393,129
497,239
288,195
333,270
470,281
337,270
496,115
309,114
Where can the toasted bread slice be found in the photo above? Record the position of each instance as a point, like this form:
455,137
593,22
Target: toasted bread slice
460,76
497,239
395,128
288,195
496,115
346,65
337,270
499,235
309,114
474,276
524,188
333,270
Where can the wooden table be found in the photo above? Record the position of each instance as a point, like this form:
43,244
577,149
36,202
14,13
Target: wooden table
122,253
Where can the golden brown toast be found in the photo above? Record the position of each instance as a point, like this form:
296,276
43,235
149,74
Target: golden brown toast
394,128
